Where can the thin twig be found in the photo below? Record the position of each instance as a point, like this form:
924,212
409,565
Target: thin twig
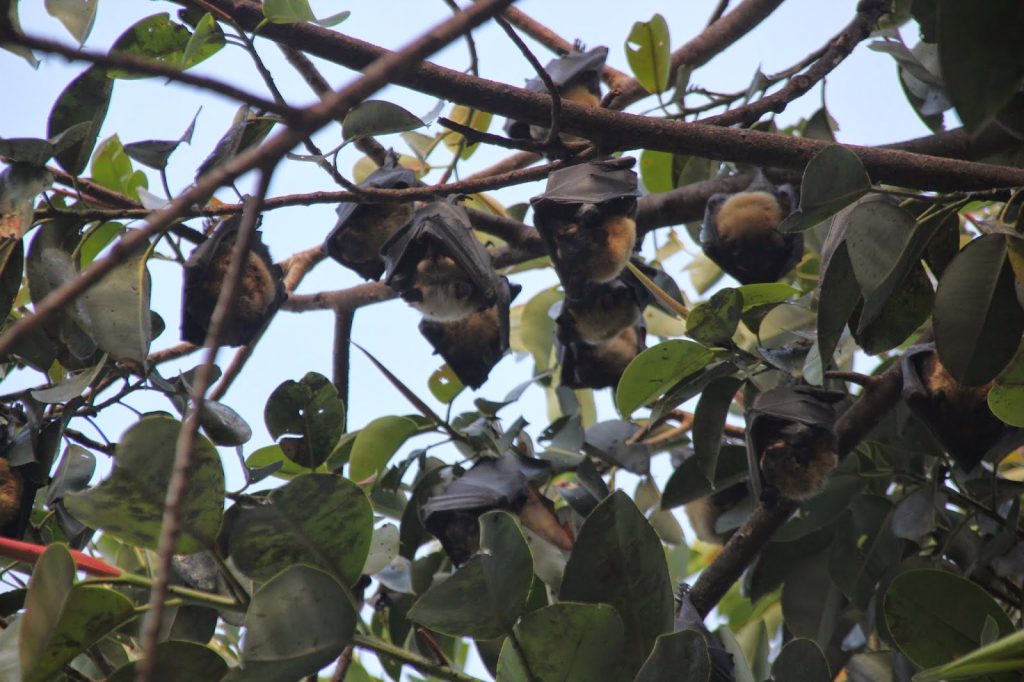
390,67
170,528
341,667
718,11
549,85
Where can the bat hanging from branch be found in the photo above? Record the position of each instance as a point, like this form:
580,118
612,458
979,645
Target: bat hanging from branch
587,219
362,228
576,76
261,288
740,232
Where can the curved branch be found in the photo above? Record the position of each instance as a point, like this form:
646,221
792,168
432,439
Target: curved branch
839,48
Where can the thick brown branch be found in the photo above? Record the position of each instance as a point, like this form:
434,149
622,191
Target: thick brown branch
613,130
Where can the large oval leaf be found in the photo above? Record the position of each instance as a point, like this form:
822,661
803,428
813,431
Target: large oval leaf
834,178
657,369
178,660
618,560
129,504
318,519
376,443
567,642
935,616
311,410
679,655
484,598
117,307
977,318
297,623
801,660
85,100
376,117
648,53
1006,398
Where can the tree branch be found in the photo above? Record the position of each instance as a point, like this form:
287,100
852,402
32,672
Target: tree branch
376,75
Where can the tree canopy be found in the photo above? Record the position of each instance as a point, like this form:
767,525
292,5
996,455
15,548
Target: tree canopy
810,347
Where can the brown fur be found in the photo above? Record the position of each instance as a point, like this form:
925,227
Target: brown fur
746,213
619,351
258,287
799,473
362,241
581,95
11,491
940,382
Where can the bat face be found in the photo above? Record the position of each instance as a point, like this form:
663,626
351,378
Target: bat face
261,288
740,232
473,345
11,493
577,76
587,220
362,229
956,414
438,266
790,442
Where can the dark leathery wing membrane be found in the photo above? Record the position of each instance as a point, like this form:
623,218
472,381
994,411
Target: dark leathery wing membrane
362,228
577,76
261,288
438,266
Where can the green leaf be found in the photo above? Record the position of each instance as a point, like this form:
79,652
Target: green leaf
69,388
84,101
840,295
1006,397
376,117
96,239
112,168
287,11
206,39
271,455
801,660
679,655
298,623
223,425
618,560
901,315
159,39
935,616
129,504
756,295
178,660
155,153
648,53
688,482
467,116
709,422
377,443
537,329
657,170
864,548
833,179
311,410
977,319
980,64
566,641
657,369
713,323
876,235
1002,655
117,309
444,384
62,620
485,597
76,15
322,520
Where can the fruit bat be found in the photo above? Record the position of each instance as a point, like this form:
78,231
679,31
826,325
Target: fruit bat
474,344
362,228
261,288
600,314
790,442
507,482
740,232
586,218
958,415
577,76
601,365
438,266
